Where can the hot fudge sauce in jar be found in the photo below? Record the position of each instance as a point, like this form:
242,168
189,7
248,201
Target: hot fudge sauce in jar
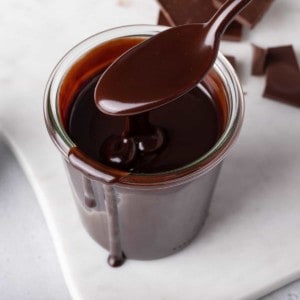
142,185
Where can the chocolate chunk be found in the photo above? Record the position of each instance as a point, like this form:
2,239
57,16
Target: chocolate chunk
178,12
285,54
233,33
259,60
282,72
262,58
232,60
162,20
252,14
283,83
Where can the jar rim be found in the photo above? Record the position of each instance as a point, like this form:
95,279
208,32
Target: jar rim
194,169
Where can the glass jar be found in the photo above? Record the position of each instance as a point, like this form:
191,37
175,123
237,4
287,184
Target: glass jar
141,216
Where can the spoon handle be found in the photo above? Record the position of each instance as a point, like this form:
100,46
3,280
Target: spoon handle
223,17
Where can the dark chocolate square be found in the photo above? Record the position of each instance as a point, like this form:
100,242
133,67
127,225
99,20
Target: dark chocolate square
285,54
259,60
232,61
263,57
283,83
162,20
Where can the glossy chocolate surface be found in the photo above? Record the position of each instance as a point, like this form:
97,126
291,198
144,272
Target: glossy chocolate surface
191,126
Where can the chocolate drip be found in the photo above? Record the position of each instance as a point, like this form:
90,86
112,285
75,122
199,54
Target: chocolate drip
116,257
139,138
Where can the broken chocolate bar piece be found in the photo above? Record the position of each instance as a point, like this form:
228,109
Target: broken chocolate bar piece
162,20
259,60
285,54
252,14
262,58
179,12
283,83
282,73
232,60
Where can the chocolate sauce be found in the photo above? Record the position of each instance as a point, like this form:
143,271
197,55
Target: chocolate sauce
190,127
116,257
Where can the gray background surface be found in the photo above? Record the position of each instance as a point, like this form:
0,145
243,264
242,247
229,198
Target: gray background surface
28,264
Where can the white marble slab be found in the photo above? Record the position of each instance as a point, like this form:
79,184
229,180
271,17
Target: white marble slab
250,244
28,265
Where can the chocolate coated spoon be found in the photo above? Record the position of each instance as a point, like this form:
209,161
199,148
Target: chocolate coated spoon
165,66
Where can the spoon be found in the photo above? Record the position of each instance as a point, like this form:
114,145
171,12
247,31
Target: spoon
165,66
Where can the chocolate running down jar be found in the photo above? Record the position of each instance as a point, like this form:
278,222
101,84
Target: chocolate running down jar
156,206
